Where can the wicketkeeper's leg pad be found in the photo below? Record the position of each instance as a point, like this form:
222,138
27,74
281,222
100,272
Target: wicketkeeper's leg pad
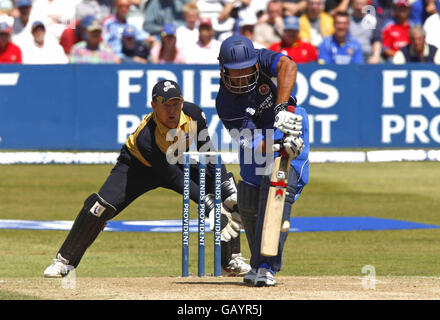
228,249
90,221
235,244
248,195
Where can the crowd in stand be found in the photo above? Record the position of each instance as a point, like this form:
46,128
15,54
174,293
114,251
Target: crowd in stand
191,31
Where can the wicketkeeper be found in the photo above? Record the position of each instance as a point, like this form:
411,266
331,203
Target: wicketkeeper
148,161
250,104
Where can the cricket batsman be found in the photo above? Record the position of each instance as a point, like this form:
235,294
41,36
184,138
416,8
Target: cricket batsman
146,162
249,100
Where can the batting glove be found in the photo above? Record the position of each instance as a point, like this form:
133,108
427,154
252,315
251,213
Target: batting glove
288,122
292,144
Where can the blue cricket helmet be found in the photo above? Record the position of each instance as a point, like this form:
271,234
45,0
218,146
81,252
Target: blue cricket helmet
236,53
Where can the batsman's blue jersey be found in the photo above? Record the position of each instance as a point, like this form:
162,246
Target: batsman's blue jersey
252,116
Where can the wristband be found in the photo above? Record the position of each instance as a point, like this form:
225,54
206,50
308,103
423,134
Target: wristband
281,107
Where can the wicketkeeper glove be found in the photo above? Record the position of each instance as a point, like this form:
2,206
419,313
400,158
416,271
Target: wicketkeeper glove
229,189
229,223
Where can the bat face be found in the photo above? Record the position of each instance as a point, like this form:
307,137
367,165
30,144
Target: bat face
274,207
272,225
280,185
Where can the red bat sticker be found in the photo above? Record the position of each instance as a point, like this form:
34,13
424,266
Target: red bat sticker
279,193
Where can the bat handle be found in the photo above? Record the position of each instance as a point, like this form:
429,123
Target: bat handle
283,153
291,109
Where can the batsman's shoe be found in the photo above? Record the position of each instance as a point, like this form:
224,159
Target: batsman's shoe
264,278
58,269
237,267
250,276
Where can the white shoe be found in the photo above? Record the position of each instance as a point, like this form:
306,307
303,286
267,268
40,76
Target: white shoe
250,276
237,266
264,278
58,269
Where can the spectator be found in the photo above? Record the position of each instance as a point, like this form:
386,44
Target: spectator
362,28
422,9
22,21
340,48
71,36
207,48
247,29
233,11
395,34
55,14
188,34
432,27
6,9
383,9
418,50
271,30
6,6
161,12
167,51
213,10
133,50
290,45
93,50
231,7
334,6
241,9
91,8
314,23
294,7
42,50
110,4
135,16
9,52
115,24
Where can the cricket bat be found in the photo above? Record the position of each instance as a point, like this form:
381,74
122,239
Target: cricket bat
272,225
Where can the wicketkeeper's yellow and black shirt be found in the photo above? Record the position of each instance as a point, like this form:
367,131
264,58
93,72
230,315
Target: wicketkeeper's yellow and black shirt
154,145
152,140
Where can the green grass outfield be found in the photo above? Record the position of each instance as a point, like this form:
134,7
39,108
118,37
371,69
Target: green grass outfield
405,191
